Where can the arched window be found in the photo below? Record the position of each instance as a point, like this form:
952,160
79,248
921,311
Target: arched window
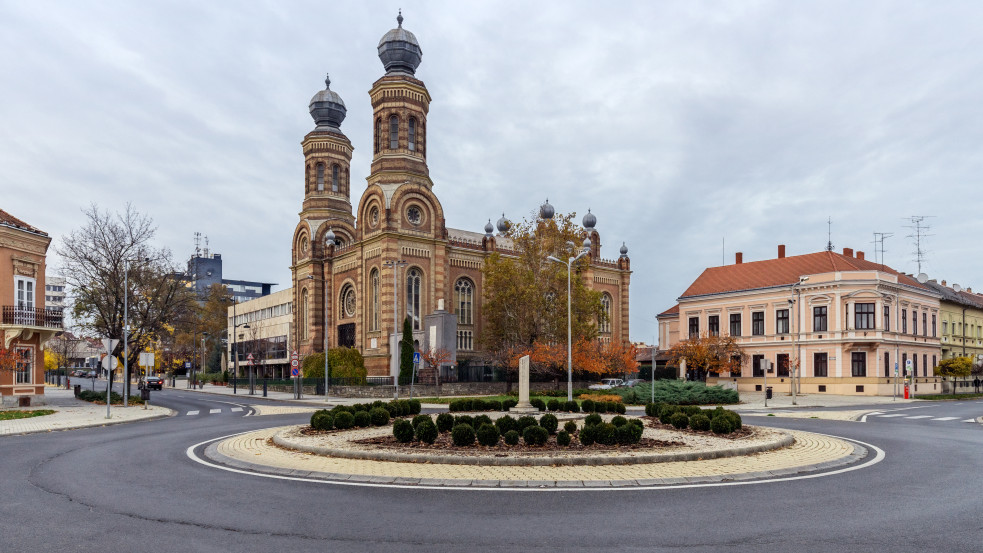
378,134
414,279
464,301
421,139
320,176
302,316
374,287
347,302
334,178
393,132
605,325
412,135
307,178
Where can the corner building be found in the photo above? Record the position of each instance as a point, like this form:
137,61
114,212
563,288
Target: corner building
393,256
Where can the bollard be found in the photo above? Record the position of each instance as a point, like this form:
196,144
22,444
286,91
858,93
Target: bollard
264,387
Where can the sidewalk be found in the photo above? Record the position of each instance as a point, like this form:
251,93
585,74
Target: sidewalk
308,400
74,413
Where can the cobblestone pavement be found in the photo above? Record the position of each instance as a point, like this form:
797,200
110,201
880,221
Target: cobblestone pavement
252,451
74,413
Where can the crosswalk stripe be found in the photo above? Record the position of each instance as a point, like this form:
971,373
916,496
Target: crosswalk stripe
875,413
192,413
970,420
213,411
920,417
945,419
889,416
236,409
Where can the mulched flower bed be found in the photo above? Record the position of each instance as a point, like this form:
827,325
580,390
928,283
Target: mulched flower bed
444,443
653,422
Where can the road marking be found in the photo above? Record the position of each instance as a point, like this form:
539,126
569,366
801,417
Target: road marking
970,420
920,417
236,409
879,456
214,411
875,413
945,419
192,413
889,416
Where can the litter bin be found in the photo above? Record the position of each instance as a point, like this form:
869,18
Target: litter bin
145,393
768,392
78,390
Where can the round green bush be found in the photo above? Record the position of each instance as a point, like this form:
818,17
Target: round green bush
464,419
404,407
600,406
454,406
667,410
390,407
344,420
620,408
588,434
445,421
587,405
480,420
570,427
361,407
494,405
637,422
535,435
538,403
363,419
403,431
629,434
426,431
691,410
679,420
563,438
592,419
719,425
572,406
415,407
506,423
420,418
525,422
618,420
699,422
477,405
508,404
462,435
606,434
549,422
667,414
652,409
380,417
735,420
322,420
488,435
553,405
342,408
716,412
511,437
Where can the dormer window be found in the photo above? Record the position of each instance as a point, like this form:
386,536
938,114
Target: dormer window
393,132
412,135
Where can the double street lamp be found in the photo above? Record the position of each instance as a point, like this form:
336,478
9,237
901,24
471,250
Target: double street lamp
569,263
126,329
235,350
396,264
329,240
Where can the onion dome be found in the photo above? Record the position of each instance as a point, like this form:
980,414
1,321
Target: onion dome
489,228
624,250
327,108
329,238
503,224
399,51
587,243
589,220
546,210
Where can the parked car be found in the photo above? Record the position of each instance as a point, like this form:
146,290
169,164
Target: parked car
633,382
78,373
92,374
154,383
607,384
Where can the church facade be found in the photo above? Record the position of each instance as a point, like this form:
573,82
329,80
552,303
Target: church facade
360,269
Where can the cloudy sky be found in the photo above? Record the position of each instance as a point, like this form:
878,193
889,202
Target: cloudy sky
691,129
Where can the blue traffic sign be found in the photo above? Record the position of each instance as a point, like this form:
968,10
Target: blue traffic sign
416,357
295,371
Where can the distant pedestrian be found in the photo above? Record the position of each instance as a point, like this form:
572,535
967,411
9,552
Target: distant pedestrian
976,384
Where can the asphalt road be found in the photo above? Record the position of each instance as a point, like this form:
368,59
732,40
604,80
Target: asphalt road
132,488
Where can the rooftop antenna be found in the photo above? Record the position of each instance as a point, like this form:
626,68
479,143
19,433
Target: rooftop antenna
197,244
879,245
919,231
206,245
723,241
829,234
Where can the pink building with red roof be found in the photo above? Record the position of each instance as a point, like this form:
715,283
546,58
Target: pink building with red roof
842,320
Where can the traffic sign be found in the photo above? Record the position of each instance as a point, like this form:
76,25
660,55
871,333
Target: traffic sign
416,357
249,357
110,363
295,371
294,363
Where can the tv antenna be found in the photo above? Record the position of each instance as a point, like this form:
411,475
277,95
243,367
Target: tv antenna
879,250
919,232
829,234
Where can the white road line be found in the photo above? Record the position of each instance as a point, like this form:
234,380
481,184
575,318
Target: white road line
945,419
214,411
192,413
889,416
875,413
920,417
970,420
236,409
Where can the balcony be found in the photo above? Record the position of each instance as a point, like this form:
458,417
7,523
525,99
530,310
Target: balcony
24,323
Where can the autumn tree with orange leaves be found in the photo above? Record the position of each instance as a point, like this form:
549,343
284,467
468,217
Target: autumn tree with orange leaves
709,354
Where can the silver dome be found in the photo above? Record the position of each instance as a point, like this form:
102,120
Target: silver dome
589,220
327,108
399,50
489,228
503,224
546,210
624,250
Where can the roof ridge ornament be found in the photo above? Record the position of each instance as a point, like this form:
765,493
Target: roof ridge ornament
399,18
327,81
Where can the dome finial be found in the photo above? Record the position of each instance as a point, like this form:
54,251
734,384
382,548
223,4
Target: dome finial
399,18
327,81
327,108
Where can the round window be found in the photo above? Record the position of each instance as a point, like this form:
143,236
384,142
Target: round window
414,215
349,302
374,216
303,245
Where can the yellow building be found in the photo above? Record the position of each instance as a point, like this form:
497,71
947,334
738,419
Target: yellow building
961,312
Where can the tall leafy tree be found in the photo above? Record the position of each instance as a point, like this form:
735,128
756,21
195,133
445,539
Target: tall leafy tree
709,354
954,367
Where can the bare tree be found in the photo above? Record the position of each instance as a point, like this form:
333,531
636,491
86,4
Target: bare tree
66,348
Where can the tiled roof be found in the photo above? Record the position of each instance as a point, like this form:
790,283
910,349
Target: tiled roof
9,220
674,310
783,271
962,297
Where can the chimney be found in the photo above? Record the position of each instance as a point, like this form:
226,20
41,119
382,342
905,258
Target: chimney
738,258
969,290
943,282
860,255
781,251
848,252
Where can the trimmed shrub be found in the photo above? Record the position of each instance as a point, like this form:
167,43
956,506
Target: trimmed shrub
572,406
553,405
379,416
466,404
549,422
538,403
508,404
361,407
587,405
445,421
600,406
715,412
506,423
477,405
619,421
488,435
391,407
404,407
629,434
462,435
606,434
420,418
691,410
426,431
592,419
735,419
344,420
363,419
342,409
403,431
511,437
563,438
637,422
721,425
666,416
699,422
619,408
525,422
535,435
322,420
570,427
480,420
588,435
679,420
454,406
494,405
464,419
415,406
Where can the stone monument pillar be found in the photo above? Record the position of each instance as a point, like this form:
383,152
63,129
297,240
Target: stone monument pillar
524,406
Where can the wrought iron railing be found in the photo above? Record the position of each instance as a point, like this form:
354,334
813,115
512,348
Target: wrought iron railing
39,316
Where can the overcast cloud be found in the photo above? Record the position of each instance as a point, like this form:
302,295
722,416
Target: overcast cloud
678,123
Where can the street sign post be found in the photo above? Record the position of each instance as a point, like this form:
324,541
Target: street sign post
108,362
295,373
416,367
252,374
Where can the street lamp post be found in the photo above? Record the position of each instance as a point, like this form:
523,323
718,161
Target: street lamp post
126,330
235,347
395,264
794,306
329,240
569,263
